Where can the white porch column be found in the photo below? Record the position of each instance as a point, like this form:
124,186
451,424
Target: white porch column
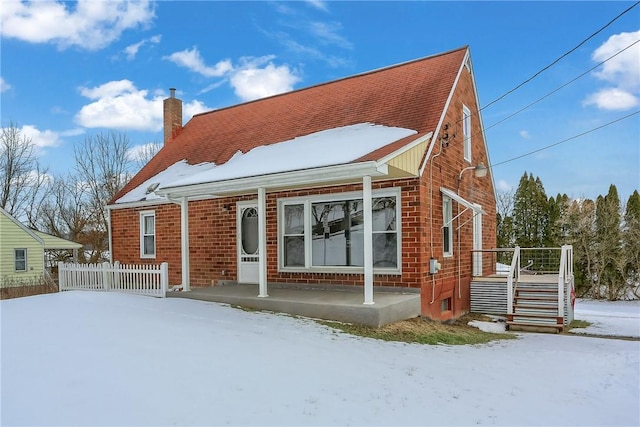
184,242
262,243
368,240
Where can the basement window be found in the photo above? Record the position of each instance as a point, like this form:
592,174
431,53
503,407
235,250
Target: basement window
20,260
147,234
445,304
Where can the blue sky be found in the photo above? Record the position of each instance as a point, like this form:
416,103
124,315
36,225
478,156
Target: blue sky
74,70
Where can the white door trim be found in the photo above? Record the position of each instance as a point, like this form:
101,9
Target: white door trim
248,263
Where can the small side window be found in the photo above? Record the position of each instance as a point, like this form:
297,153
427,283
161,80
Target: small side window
147,234
466,132
20,259
447,226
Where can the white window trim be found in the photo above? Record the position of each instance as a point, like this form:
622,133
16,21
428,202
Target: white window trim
447,210
15,260
143,215
307,201
466,133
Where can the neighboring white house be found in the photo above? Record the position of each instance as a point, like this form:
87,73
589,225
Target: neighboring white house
22,250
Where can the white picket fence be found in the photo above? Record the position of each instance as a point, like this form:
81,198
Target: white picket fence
150,280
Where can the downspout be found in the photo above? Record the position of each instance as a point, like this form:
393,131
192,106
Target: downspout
110,236
433,277
184,243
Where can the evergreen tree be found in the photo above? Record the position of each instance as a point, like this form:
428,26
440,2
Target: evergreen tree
579,222
530,212
609,261
554,231
631,242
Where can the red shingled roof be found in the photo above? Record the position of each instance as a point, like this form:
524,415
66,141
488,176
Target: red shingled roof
410,95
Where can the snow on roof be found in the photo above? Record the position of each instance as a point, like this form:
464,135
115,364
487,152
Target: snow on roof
178,170
337,146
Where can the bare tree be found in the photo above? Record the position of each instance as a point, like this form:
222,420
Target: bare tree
142,154
22,179
505,200
102,170
64,213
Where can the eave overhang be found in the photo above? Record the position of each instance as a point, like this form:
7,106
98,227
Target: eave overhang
292,179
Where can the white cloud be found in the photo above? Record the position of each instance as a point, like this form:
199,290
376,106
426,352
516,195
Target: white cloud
327,33
251,81
612,99
120,105
525,134
194,107
318,4
132,50
621,73
39,138
4,86
72,132
192,60
90,24
251,78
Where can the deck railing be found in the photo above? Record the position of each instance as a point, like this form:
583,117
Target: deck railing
151,280
513,263
565,276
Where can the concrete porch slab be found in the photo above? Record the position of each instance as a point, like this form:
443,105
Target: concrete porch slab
344,305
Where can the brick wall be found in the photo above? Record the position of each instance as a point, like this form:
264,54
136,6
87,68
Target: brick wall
443,170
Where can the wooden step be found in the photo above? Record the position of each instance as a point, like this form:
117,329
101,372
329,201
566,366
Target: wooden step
551,307
534,315
554,289
534,298
533,327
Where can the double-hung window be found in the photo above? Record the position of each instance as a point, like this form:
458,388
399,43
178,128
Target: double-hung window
20,260
147,234
326,233
466,132
447,226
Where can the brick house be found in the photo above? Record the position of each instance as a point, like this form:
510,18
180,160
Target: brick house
364,181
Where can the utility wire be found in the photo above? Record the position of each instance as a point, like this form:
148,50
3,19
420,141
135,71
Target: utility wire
565,140
558,59
561,87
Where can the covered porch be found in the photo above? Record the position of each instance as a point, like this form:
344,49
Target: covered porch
337,303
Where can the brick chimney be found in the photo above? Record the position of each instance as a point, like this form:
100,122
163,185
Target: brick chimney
172,115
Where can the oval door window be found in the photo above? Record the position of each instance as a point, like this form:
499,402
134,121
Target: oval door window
250,231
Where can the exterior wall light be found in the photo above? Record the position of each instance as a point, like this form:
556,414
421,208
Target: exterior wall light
480,171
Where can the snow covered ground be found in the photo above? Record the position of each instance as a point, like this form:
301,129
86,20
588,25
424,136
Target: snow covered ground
618,318
88,358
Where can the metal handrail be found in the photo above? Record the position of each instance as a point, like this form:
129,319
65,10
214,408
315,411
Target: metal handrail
565,275
514,273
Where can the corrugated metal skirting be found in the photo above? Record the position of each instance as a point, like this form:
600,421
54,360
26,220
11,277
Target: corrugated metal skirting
489,298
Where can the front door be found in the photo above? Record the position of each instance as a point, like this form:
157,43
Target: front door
248,255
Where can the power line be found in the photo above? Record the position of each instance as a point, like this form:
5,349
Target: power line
564,140
558,59
560,87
